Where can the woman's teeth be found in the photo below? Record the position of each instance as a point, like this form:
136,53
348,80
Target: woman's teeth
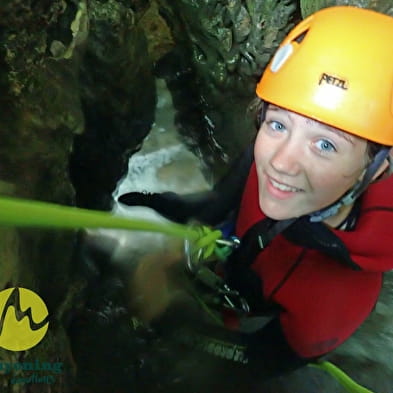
284,187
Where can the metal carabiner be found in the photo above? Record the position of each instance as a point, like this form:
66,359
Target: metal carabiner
233,242
192,259
234,301
230,298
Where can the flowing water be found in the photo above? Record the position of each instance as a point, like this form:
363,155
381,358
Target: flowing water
164,163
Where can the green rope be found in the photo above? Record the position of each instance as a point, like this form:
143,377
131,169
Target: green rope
16,212
222,253
349,384
206,241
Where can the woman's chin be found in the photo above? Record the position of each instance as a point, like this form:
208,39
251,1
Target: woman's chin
276,214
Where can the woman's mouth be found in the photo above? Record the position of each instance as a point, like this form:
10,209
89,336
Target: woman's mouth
283,187
280,191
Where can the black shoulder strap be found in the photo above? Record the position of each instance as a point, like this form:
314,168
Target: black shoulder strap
238,274
311,235
257,238
318,236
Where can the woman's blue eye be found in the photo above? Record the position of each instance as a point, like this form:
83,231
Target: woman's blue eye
276,125
325,146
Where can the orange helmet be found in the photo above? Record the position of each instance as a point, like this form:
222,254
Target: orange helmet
336,66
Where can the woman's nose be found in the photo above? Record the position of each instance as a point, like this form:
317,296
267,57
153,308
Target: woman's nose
286,158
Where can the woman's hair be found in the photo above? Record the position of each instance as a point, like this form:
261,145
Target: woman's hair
373,148
257,110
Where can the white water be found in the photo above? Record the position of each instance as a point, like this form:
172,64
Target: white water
164,163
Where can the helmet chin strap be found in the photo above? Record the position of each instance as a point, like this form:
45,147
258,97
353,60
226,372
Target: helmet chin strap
349,197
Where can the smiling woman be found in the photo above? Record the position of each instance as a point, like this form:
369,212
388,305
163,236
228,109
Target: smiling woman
312,206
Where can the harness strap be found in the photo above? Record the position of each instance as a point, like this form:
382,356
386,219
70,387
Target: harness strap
257,238
237,271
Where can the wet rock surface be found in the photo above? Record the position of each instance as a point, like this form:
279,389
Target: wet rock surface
310,6
46,95
38,120
221,50
118,98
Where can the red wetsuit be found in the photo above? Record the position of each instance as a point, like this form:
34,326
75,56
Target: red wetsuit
324,301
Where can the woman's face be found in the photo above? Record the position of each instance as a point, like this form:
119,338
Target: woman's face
304,165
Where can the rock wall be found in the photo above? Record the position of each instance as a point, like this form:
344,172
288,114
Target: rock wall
221,50
77,96
38,120
118,98
310,6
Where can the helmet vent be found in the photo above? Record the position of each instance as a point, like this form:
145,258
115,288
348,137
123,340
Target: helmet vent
301,36
281,57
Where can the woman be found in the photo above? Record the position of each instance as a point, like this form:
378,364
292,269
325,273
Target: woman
314,202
